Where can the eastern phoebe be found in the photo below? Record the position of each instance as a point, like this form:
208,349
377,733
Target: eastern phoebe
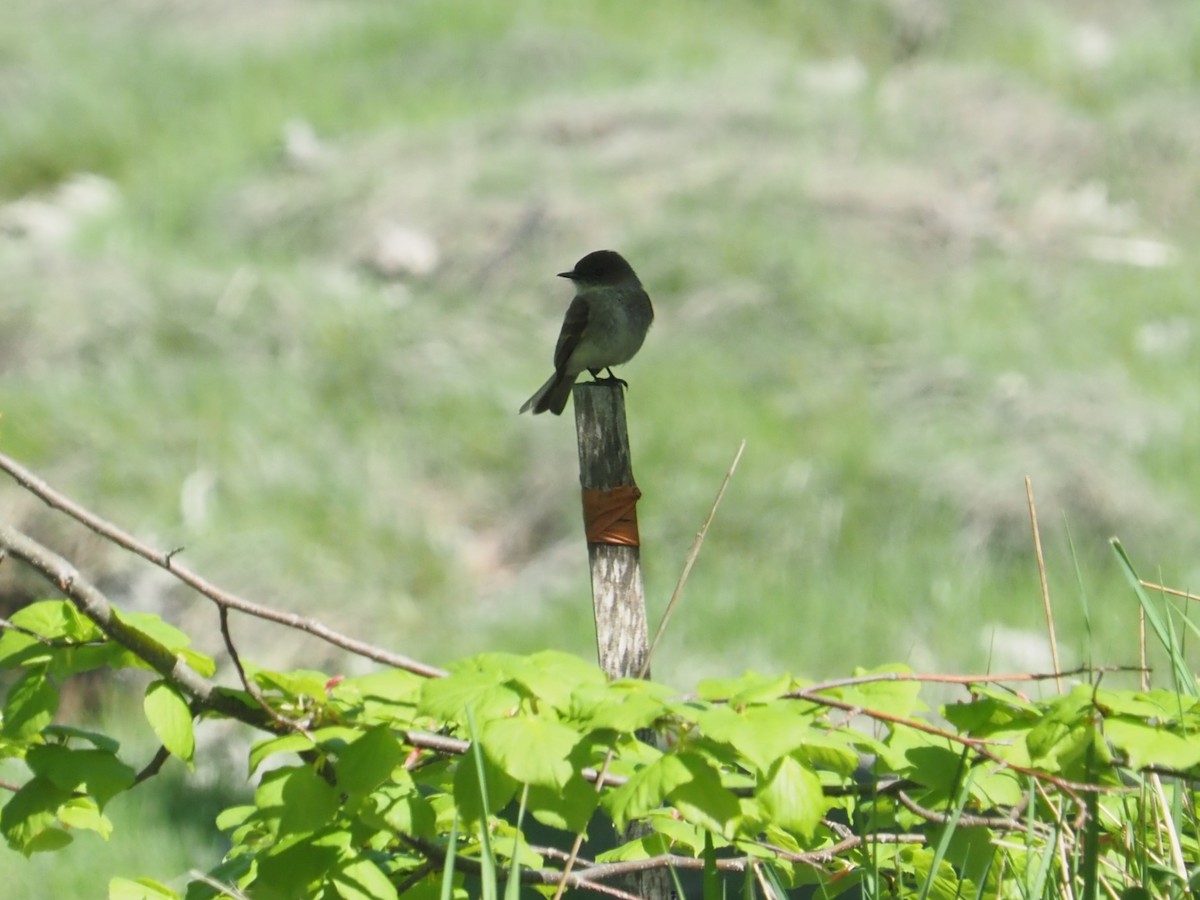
605,326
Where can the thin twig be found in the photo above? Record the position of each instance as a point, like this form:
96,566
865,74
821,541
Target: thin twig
962,679
691,560
251,688
1174,592
978,745
1041,564
123,539
826,854
12,626
582,880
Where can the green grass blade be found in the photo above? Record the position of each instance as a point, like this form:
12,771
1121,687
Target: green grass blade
1083,594
487,859
1158,623
513,891
712,879
943,844
447,891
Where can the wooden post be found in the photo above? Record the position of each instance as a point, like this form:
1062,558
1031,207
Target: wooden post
618,597
606,474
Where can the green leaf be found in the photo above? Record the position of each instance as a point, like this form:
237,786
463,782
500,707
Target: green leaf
268,796
83,813
447,699
30,705
829,750
201,663
569,808
234,816
309,801
99,772
530,749
1065,730
762,734
896,698
358,878
615,707
501,788
70,661
1164,706
391,686
95,738
751,687
1146,745
646,847
400,807
996,786
388,697
287,869
680,832
990,714
553,676
793,797
900,742
57,620
366,763
18,649
702,799
29,819
295,742
139,889
969,849
154,627
169,715
294,684
645,790
939,769
234,870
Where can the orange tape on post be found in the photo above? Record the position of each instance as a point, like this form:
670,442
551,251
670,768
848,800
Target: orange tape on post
610,517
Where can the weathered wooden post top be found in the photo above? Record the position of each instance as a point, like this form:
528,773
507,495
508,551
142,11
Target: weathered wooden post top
610,498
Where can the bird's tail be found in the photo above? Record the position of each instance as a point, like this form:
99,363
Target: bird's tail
552,395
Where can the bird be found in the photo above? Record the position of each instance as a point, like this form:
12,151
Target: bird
605,326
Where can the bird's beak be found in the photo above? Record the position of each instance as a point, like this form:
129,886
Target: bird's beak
566,274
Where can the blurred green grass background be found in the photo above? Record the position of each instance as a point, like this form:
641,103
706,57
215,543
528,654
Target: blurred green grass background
913,251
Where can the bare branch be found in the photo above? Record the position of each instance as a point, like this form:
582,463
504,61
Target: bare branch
93,604
222,598
153,767
1002,823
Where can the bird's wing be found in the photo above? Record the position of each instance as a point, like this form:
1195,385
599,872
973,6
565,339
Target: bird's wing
573,327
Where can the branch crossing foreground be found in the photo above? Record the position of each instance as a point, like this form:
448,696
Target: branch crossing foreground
412,778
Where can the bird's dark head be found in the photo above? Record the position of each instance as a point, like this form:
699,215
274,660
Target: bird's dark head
601,267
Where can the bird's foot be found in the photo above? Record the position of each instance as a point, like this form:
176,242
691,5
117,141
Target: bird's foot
609,379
